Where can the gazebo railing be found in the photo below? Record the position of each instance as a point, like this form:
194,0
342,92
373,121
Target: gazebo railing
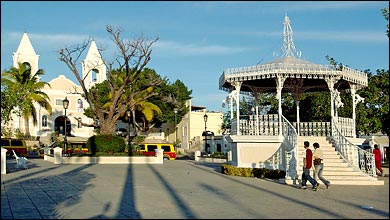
269,125
263,125
352,154
345,125
313,128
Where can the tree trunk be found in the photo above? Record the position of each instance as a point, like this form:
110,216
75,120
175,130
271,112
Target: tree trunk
107,127
26,127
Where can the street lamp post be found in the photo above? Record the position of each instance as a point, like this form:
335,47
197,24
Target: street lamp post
205,131
65,104
128,131
175,110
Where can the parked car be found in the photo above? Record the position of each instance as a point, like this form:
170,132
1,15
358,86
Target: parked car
19,146
169,152
121,132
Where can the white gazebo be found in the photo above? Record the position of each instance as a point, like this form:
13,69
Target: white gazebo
260,140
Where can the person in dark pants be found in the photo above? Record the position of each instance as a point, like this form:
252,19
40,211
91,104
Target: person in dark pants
307,164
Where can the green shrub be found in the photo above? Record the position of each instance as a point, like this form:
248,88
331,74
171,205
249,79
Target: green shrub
106,143
219,155
252,172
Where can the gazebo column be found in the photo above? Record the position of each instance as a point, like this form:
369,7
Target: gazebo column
298,119
353,93
279,87
297,98
337,101
330,83
355,100
237,86
231,97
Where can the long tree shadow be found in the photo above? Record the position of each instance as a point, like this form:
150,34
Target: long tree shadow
127,204
44,192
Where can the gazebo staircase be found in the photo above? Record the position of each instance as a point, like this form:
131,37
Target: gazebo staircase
336,170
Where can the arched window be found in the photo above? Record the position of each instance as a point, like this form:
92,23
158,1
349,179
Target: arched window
44,120
80,105
28,66
94,75
79,123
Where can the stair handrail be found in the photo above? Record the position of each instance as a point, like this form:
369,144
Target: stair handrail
287,163
291,137
289,132
352,154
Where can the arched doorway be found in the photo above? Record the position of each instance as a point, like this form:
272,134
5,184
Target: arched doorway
59,125
219,148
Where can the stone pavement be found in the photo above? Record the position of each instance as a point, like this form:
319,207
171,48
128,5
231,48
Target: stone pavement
180,189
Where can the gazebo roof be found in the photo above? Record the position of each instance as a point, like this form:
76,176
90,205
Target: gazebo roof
300,75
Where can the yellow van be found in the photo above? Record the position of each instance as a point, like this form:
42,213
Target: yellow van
169,152
19,146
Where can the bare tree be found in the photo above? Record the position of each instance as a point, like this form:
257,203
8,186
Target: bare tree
133,56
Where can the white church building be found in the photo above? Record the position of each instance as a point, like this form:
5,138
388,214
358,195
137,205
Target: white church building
93,70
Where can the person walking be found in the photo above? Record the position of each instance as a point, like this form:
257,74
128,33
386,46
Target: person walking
307,164
318,157
378,160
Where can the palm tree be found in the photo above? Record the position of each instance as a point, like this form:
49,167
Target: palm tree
147,110
28,88
137,105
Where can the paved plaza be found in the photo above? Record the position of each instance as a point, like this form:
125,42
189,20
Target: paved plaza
180,189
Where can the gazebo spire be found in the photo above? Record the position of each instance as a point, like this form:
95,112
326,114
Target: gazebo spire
288,48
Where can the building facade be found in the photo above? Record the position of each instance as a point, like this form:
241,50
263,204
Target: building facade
190,130
93,71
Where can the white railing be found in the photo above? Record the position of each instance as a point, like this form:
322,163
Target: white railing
346,126
291,154
289,133
269,125
286,157
264,125
352,154
313,128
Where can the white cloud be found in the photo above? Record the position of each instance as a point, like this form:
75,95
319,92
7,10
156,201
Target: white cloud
169,47
299,6
349,36
340,36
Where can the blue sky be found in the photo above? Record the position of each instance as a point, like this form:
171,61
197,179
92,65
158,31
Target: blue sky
199,39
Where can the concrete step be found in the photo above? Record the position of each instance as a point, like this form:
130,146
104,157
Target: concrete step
349,177
348,181
335,173
335,169
360,182
353,182
328,164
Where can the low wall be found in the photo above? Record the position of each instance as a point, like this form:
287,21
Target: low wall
211,160
199,158
57,158
251,151
107,160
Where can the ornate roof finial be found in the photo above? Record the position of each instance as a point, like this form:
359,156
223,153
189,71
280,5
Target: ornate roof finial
288,47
